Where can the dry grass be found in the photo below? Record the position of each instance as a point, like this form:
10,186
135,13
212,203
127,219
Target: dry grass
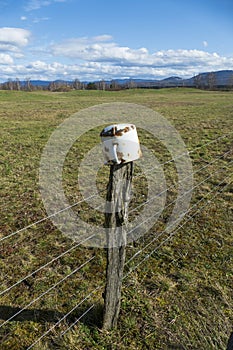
180,297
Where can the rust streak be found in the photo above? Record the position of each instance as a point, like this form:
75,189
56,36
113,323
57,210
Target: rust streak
114,132
120,155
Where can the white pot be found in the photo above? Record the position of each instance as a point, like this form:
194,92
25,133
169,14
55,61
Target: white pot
120,143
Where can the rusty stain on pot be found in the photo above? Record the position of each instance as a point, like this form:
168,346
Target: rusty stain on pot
140,153
115,132
120,155
121,143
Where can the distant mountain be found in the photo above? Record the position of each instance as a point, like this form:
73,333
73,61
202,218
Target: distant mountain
44,83
37,82
221,78
172,79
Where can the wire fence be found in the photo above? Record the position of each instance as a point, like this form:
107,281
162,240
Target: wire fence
95,195
179,227
143,260
142,253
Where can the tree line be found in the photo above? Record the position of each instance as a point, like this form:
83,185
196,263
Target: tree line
207,81
63,86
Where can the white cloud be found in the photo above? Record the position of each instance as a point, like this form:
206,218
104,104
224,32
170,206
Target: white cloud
205,43
97,49
40,19
23,18
98,70
101,58
12,38
104,37
37,4
5,59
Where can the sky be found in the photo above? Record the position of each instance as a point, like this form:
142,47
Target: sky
98,39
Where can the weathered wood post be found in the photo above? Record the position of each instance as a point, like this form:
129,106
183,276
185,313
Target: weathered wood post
121,147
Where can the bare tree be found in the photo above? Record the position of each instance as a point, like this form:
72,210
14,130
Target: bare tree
131,84
114,85
10,84
76,84
211,80
198,81
102,85
230,81
17,84
28,84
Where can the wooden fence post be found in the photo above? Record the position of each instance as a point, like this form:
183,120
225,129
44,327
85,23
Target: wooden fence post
116,217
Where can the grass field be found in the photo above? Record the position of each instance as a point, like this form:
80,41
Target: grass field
178,298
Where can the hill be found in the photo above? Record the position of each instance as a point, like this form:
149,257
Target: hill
218,79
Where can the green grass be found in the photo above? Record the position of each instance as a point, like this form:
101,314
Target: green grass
180,297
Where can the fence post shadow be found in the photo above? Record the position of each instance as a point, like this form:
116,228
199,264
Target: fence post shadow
91,319
230,342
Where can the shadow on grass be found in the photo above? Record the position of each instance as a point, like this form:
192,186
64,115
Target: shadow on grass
230,343
93,318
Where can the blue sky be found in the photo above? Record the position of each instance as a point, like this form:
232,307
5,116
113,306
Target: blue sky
99,39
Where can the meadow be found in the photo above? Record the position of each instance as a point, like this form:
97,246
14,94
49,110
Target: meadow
177,291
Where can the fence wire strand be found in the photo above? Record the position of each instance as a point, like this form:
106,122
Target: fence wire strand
95,195
47,291
64,317
186,192
135,267
188,152
78,319
47,217
190,208
185,178
180,226
45,265
146,202
147,256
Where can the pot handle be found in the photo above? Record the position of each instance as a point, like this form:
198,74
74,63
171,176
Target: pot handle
116,160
